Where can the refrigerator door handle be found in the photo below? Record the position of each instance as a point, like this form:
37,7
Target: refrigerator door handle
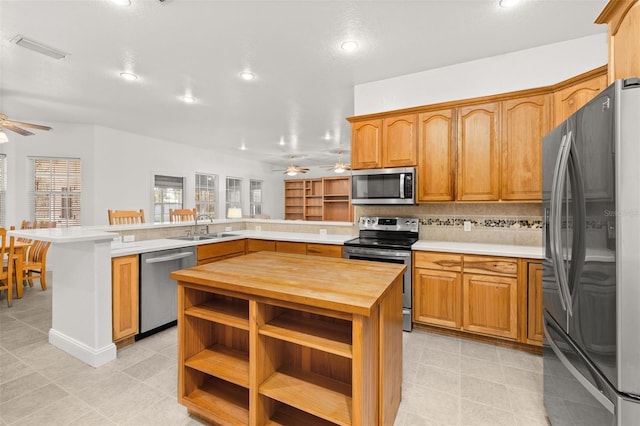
555,231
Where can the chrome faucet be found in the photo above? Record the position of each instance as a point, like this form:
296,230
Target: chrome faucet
195,226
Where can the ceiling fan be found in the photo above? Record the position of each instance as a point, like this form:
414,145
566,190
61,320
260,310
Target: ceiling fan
16,126
294,170
339,166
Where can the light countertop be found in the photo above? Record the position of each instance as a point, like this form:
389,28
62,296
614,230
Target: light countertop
506,250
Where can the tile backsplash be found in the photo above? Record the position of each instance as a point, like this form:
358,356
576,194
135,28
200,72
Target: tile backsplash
499,223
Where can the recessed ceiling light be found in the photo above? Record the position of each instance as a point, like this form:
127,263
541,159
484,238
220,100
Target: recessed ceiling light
349,46
281,143
128,76
508,3
247,75
243,147
188,99
122,2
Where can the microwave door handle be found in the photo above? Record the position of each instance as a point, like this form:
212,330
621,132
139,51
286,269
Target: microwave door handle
402,185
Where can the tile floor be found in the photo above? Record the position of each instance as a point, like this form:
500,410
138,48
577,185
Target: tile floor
446,381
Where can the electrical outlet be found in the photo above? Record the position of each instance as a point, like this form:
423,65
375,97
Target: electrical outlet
258,228
467,226
323,232
228,228
129,238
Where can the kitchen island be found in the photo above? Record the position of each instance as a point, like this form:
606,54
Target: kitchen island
277,338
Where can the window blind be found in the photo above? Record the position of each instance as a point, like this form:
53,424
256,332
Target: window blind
206,185
56,189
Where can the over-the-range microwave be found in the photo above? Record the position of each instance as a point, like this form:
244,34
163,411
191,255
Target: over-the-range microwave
383,186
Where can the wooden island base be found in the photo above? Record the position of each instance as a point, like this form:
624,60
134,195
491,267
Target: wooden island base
283,339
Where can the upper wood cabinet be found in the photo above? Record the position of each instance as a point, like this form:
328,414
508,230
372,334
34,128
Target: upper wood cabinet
479,153
436,155
570,99
389,142
366,144
623,20
525,121
399,141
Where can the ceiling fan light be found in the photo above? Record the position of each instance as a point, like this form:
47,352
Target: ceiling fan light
247,75
129,76
122,2
291,173
3,137
339,169
188,99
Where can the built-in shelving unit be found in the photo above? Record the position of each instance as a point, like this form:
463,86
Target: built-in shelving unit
294,199
326,198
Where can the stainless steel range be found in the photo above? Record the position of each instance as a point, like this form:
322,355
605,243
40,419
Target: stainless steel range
387,239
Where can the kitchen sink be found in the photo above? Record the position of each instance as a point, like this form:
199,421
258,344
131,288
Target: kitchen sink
196,237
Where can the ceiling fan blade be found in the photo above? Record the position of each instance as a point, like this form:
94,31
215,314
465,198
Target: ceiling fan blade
16,129
30,125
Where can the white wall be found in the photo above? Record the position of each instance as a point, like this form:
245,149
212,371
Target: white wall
525,69
118,168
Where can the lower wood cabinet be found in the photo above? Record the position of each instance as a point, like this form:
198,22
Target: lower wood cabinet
437,297
478,294
535,332
490,305
214,252
311,249
125,296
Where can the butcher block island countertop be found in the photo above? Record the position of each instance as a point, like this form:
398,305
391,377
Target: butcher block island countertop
284,339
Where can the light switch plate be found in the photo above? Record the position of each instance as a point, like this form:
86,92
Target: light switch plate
129,238
228,228
258,228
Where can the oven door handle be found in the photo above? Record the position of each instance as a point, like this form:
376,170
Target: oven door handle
376,253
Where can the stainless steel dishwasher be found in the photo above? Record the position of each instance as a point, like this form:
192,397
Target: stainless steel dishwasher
158,292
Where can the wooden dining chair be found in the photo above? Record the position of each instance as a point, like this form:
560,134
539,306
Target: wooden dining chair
125,217
182,215
45,224
35,266
6,275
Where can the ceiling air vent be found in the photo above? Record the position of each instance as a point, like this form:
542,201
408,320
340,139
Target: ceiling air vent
22,41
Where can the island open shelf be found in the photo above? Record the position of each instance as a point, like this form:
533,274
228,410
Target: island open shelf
285,339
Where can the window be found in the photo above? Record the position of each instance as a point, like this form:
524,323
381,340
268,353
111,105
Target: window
167,194
3,189
206,194
56,190
234,195
255,197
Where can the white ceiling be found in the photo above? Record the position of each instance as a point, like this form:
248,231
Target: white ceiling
304,84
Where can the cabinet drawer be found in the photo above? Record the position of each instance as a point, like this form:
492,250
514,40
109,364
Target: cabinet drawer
207,251
502,266
438,261
327,250
260,245
290,247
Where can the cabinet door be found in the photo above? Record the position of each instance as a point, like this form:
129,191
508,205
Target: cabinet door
437,156
624,45
437,298
525,121
534,303
124,275
490,305
570,99
366,144
399,141
479,153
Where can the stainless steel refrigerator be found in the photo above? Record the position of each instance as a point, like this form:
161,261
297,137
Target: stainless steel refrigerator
591,268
